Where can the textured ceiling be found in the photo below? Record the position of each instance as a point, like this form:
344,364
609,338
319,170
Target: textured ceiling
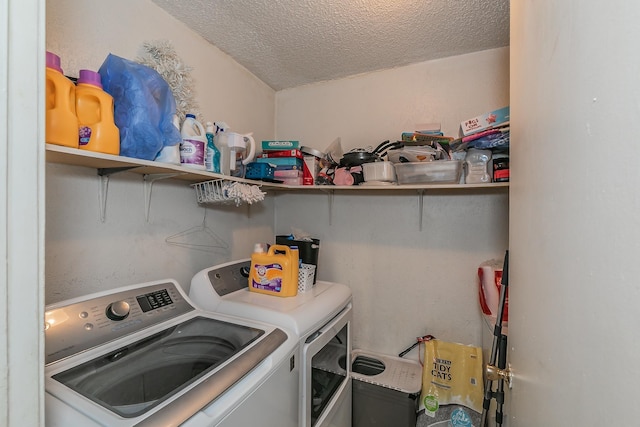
288,43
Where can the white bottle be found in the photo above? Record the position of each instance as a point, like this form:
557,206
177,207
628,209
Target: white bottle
221,142
171,153
194,141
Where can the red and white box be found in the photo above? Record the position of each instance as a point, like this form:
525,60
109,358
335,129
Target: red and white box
311,168
281,153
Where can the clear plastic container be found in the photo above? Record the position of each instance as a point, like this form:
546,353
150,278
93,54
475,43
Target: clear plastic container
379,171
436,172
477,166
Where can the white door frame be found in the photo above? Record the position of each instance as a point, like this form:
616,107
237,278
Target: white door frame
22,168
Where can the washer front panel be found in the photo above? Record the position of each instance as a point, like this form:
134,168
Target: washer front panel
83,324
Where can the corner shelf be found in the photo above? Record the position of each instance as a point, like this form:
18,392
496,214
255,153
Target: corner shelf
108,164
105,163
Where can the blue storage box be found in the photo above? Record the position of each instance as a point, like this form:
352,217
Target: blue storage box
257,170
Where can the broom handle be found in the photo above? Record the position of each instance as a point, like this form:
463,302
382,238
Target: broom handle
497,333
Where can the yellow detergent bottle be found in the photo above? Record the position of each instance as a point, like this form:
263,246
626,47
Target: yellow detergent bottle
271,272
61,122
94,108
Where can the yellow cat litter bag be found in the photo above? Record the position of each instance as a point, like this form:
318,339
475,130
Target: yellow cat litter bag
452,385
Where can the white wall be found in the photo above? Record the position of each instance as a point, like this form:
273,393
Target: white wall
574,213
406,282
370,108
84,32
84,255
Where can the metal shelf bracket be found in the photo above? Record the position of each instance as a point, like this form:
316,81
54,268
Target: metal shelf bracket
148,181
420,207
330,193
104,174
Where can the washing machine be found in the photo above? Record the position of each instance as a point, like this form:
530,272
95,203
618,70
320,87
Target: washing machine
144,355
321,320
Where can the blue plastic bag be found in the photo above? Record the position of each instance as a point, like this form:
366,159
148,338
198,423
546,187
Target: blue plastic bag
144,107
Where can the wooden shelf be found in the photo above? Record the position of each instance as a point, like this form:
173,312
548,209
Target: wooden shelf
90,159
77,157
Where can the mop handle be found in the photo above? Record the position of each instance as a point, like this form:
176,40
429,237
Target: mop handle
503,296
497,334
499,395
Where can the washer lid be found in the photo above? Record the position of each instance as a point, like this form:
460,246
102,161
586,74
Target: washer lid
133,379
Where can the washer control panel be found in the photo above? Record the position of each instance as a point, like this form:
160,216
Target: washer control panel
154,300
231,278
80,324
118,310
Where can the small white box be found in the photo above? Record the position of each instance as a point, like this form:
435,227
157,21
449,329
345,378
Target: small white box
379,171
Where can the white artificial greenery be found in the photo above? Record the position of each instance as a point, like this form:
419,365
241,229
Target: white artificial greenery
162,57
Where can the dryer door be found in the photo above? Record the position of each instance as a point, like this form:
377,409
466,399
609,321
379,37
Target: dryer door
327,371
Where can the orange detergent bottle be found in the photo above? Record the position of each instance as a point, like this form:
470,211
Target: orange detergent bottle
61,122
271,272
97,130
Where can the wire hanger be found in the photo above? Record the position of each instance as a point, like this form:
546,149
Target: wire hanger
199,238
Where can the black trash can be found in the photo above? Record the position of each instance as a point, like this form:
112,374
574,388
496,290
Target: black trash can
308,250
386,390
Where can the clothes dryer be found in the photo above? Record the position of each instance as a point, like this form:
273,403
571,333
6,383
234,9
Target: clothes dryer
320,318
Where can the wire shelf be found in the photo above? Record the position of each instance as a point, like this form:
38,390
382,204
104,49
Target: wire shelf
221,191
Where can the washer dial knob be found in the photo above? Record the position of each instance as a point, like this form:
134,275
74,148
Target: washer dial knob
118,310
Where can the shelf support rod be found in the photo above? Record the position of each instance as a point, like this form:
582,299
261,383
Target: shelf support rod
331,194
148,181
102,196
104,174
420,207
111,171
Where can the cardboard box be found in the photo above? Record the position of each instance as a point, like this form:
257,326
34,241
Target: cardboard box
280,145
291,181
294,162
485,121
291,173
282,153
311,169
